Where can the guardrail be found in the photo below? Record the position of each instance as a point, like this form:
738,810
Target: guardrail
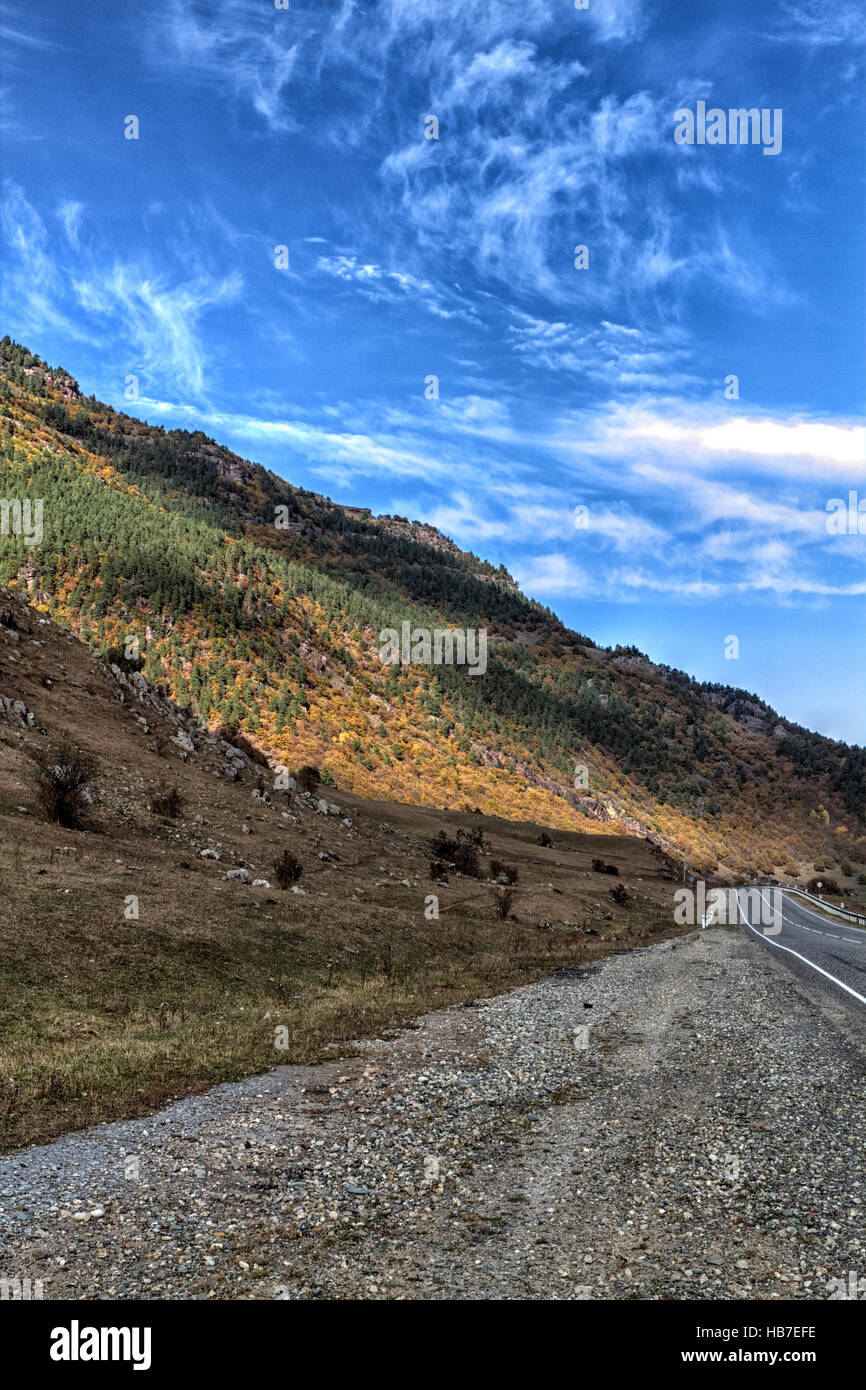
858,917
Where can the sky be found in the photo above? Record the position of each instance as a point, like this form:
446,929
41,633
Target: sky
288,259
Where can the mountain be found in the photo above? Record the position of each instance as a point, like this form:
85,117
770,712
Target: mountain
260,606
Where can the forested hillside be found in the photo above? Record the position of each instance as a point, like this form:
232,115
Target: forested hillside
258,604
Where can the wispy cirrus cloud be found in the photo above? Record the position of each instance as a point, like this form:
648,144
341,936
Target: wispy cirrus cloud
70,214
619,356
157,316
376,281
161,319
821,23
33,285
254,50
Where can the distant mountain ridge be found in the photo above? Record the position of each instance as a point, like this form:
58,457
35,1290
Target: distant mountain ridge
256,603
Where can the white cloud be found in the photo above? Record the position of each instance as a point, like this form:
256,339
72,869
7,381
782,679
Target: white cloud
552,574
70,214
822,23
375,280
33,284
159,319
250,49
798,446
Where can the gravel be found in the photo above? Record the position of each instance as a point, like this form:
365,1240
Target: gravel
683,1121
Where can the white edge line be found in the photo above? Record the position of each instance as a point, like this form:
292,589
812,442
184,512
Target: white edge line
804,959
825,921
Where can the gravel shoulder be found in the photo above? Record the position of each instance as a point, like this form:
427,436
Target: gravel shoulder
701,1136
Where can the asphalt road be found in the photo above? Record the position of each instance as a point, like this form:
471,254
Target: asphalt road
811,944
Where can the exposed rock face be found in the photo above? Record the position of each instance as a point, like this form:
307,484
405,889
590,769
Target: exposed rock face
595,809
312,657
65,386
233,468
634,662
417,531
752,715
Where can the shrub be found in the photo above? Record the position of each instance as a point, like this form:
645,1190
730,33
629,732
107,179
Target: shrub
62,778
619,893
442,847
846,868
462,852
507,871
504,899
600,867
473,836
828,885
544,840
438,869
287,869
307,778
167,801
466,860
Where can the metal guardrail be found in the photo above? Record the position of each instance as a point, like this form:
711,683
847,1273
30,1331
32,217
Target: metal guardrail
858,917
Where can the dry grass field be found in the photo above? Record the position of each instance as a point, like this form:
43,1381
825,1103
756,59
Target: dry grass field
106,1014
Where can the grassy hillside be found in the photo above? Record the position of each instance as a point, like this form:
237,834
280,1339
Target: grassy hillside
139,958
256,604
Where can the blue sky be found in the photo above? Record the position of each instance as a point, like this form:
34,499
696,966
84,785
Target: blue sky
412,257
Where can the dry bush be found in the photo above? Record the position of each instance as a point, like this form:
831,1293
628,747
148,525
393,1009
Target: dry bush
619,893
62,776
466,860
600,867
462,852
828,885
167,801
287,869
504,899
507,871
307,778
443,847
474,837
544,840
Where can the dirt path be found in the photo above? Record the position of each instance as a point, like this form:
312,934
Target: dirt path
707,1142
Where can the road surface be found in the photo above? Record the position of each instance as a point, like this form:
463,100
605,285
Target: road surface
811,944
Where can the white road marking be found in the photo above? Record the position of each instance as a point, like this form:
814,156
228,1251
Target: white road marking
859,934
804,959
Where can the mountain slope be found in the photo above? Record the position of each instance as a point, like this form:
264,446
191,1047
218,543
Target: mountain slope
149,951
259,604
